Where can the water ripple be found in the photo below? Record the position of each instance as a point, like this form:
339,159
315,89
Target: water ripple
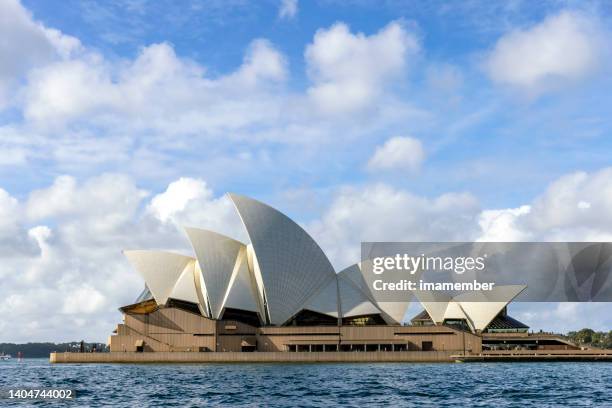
318,385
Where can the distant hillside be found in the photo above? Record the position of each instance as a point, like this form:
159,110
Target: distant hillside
33,350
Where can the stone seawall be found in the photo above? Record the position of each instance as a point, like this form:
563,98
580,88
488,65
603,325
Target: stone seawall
536,355
255,357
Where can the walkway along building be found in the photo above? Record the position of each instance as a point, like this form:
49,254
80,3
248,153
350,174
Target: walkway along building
280,293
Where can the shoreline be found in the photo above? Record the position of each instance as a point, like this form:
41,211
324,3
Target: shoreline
254,357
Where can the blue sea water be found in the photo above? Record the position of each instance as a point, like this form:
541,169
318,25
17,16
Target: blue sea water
317,385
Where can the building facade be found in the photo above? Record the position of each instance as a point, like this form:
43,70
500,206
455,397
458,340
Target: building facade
280,293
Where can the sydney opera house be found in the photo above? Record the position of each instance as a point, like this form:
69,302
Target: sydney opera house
280,293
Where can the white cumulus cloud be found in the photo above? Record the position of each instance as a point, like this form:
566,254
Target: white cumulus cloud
176,197
9,214
399,153
77,109
63,252
383,213
350,71
564,47
189,202
288,9
501,225
26,44
572,208
156,82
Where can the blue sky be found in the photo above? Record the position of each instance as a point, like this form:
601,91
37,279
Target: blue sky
486,134
120,121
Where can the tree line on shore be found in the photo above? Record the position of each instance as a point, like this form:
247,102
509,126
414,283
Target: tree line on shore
591,338
584,337
36,350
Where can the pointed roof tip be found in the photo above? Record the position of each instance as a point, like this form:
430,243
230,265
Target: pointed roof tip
128,252
232,196
192,231
242,197
131,252
237,199
197,229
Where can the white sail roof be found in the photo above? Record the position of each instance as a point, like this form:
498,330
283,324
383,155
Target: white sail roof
217,256
292,266
185,288
201,291
455,311
241,290
435,303
478,308
325,301
283,271
160,270
482,307
354,274
393,312
353,302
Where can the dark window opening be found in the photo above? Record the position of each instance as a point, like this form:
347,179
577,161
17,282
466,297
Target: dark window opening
459,324
243,316
503,323
365,320
309,318
183,305
427,346
345,347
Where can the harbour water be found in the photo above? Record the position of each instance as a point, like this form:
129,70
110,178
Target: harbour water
317,385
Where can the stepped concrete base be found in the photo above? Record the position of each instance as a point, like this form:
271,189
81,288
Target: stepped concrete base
255,357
